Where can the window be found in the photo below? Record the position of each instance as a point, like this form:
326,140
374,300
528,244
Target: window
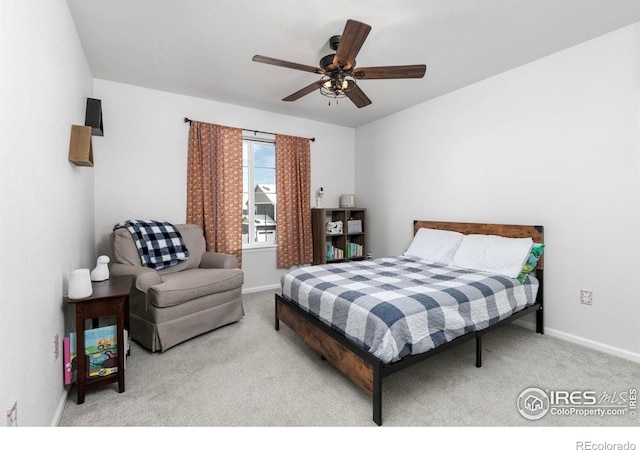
258,193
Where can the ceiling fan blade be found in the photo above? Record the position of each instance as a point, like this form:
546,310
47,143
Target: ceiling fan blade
287,64
302,92
389,72
351,41
358,97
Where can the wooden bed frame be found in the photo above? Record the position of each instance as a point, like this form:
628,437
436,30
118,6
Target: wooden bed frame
367,371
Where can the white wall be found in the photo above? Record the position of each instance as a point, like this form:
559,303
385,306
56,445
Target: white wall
553,143
141,161
46,223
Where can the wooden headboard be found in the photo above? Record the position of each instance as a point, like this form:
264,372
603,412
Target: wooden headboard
535,232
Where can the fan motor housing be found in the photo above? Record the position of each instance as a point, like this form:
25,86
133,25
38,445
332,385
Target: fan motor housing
327,61
334,41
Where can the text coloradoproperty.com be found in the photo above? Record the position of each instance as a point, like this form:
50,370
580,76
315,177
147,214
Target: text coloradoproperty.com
600,411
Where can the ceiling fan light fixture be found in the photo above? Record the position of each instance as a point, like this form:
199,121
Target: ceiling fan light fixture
336,86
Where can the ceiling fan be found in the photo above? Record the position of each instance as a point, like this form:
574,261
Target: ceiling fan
338,70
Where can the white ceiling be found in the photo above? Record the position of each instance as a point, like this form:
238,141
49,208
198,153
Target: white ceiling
203,48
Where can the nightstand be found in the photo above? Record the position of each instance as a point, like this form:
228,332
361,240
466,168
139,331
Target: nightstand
109,298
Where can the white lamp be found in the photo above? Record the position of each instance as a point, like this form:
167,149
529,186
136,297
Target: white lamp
80,284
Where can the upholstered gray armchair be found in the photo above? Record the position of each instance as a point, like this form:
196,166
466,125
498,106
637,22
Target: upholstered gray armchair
171,305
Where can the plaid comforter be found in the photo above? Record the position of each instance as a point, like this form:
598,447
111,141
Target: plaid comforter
399,306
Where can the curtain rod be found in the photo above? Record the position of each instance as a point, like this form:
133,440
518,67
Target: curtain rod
187,120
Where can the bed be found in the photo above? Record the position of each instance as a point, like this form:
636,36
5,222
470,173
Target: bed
375,317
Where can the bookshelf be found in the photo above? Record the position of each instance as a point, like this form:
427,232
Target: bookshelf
349,245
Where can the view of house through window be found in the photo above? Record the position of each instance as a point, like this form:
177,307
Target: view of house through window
258,192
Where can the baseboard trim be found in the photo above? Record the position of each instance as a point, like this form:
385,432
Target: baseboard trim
269,287
609,349
60,409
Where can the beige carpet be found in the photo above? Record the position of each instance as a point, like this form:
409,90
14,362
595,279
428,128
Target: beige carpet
249,375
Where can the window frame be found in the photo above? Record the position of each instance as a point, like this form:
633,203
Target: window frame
251,193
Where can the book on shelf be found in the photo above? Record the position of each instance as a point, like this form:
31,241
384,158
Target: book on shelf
357,250
334,253
69,360
100,349
354,250
329,252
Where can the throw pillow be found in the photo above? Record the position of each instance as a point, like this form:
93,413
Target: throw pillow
532,262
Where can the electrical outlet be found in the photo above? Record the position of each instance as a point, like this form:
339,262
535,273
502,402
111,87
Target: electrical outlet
56,347
12,414
586,297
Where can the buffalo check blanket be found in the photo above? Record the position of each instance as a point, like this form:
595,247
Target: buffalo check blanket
159,244
399,306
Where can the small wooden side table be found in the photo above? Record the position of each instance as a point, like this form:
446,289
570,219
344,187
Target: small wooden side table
109,298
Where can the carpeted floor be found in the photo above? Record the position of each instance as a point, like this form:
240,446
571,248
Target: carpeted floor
247,374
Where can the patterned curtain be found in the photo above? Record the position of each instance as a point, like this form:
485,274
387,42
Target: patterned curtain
293,187
214,186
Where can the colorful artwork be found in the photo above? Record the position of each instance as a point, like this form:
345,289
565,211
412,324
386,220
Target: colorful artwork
101,353
100,345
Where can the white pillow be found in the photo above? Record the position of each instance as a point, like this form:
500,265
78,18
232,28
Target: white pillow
435,246
494,254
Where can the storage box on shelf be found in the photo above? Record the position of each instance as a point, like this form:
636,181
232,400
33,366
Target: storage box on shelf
335,243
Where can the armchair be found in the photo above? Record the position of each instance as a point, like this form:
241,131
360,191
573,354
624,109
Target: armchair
172,305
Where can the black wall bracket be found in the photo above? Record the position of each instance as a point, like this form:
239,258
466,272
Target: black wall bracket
93,117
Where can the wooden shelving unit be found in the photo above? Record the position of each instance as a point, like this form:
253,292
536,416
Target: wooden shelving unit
338,247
